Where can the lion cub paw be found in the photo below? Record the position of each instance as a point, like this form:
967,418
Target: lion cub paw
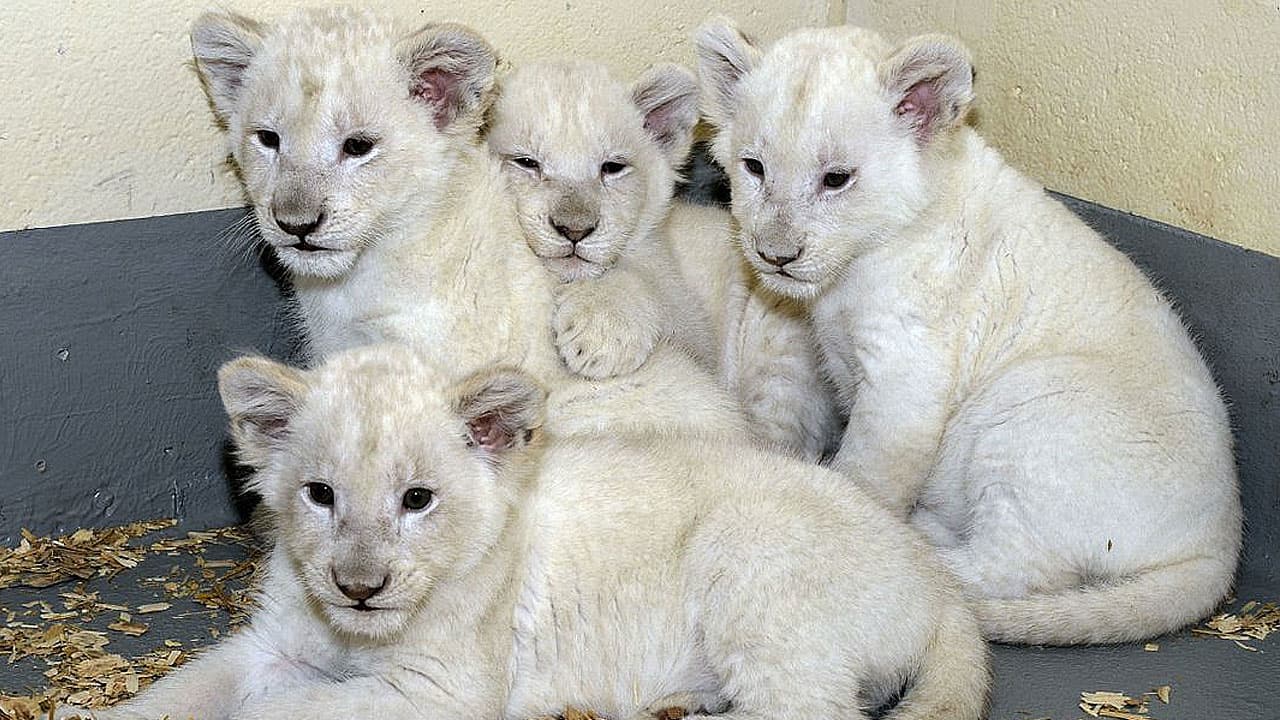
599,336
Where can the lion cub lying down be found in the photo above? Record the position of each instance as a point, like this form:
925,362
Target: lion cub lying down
438,557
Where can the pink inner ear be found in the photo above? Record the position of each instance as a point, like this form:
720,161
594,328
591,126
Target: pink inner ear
659,121
488,432
438,89
920,106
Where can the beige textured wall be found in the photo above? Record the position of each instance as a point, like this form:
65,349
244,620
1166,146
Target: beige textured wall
101,119
1168,109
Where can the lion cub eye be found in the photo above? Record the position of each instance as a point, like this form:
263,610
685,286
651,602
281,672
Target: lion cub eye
753,166
269,139
612,167
836,180
357,146
417,498
526,162
320,494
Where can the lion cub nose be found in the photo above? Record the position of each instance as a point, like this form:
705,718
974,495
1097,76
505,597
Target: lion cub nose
778,260
573,234
299,228
360,593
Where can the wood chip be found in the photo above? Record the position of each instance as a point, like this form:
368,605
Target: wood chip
153,608
1107,704
1151,647
40,562
1254,621
132,629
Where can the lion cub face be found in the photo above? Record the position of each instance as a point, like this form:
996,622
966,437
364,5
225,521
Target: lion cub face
590,161
825,138
381,477
342,129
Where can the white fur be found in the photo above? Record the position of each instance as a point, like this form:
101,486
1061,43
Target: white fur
428,249
583,149
1013,383
709,576
651,270
767,355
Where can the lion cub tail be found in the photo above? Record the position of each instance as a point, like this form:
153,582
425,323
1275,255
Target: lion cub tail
1141,606
955,676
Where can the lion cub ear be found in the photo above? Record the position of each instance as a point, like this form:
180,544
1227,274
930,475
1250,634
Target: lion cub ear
502,408
667,96
451,70
261,397
224,44
929,79
725,55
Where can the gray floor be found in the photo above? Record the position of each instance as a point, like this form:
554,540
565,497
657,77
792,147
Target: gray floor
190,623
1211,678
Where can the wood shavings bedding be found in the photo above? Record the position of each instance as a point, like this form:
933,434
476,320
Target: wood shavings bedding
1253,621
73,640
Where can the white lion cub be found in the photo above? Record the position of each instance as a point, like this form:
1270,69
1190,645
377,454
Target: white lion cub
591,163
439,557
359,150
1014,384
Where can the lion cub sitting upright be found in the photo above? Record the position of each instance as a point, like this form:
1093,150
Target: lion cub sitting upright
438,556
591,164
1014,384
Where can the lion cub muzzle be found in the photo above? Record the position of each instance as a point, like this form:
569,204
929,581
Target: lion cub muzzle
299,212
777,244
575,217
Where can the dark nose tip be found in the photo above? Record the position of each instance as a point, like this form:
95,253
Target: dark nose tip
778,260
299,230
573,234
360,593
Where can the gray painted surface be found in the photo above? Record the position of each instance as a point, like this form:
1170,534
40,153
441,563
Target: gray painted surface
110,335
1230,300
1212,679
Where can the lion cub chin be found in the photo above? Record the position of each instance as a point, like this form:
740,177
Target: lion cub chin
1014,384
437,556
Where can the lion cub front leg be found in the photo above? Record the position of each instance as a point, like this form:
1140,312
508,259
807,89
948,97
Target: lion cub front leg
607,326
895,428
